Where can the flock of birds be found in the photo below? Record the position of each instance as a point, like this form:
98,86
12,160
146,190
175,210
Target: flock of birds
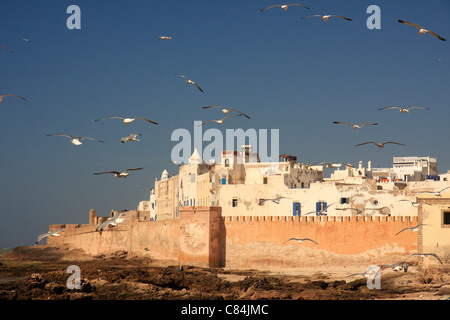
119,215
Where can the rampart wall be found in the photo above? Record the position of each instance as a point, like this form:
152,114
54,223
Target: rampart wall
202,236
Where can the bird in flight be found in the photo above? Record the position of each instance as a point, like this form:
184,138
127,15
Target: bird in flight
127,120
74,140
414,203
275,200
300,240
371,271
131,137
220,121
26,39
326,17
424,255
190,81
379,144
165,38
356,125
227,110
436,193
114,220
3,47
8,94
403,110
416,228
118,174
284,6
422,30
54,233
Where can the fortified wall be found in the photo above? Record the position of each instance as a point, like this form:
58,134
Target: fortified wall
202,236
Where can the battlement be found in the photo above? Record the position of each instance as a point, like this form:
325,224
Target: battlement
320,218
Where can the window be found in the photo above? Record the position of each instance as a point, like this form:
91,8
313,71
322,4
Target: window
234,202
321,205
296,208
227,163
446,219
345,200
265,180
224,180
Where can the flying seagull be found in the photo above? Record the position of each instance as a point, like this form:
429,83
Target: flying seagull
114,220
354,125
220,121
436,193
190,81
131,137
8,94
300,240
165,38
396,266
7,49
379,144
423,255
414,203
416,228
372,270
326,17
26,39
422,30
126,120
227,110
284,6
74,140
118,174
320,212
54,233
275,200
404,110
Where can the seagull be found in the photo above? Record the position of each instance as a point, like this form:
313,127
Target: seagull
329,164
5,95
275,200
165,38
190,81
74,140
369,272
423,255
416,228
131,137
114,220
404,110
54,233
118,174
421,29
7,49
396,266
26,39
436,193
379,144
321,212
227,110
127,120
356,126
220,121
284,6
326,17
300,240
414,203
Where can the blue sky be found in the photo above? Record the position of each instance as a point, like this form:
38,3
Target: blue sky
294,75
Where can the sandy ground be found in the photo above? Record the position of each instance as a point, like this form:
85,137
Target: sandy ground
40,273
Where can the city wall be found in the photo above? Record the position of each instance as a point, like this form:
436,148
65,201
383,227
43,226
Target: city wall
202,236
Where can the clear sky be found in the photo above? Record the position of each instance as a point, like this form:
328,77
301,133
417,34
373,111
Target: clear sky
294,75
